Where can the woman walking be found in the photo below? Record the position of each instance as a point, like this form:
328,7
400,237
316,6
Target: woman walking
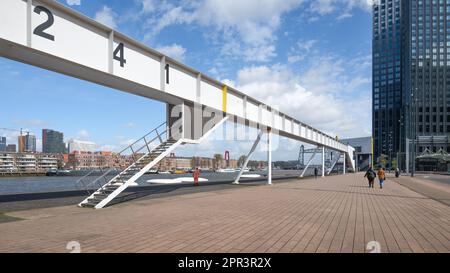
370,174
381,176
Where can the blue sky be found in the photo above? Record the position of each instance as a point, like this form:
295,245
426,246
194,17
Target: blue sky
310,58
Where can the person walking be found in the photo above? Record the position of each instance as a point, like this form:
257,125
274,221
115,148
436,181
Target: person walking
381,176
196,175
316,172
370,174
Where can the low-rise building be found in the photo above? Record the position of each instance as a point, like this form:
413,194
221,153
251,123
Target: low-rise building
363,151
11,148
97,160
6,162
27,162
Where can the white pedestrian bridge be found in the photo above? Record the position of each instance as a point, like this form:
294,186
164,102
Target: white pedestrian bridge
52,36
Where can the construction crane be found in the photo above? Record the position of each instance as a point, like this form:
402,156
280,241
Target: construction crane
15,130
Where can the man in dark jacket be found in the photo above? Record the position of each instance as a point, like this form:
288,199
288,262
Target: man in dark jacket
370,174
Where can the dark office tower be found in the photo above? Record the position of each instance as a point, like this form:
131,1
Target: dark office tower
52,142
411,77
428,45
387,77
2,144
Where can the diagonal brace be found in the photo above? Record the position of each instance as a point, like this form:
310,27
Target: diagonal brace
334,164
255,144
307,165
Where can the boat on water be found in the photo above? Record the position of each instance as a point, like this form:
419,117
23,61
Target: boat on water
152,171
180,172
228,170
56,172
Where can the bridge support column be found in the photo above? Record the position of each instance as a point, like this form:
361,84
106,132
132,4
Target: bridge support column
269,156
323,161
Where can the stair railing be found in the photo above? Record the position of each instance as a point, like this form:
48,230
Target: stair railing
160,133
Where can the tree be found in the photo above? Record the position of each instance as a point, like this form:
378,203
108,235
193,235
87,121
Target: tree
218,158
241,160
382,160
193,162
394,163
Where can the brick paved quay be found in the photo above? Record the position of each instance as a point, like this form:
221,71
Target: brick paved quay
332,214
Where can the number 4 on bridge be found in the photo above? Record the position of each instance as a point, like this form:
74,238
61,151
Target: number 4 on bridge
120,50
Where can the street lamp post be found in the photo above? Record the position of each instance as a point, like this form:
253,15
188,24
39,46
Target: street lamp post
390,150
399,150
413,132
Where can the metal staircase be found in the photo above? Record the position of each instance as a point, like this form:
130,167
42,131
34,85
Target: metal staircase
336,160
144,158
145,153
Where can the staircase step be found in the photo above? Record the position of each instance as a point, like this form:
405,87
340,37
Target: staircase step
111,187
96,199
107,192
88,205
101,195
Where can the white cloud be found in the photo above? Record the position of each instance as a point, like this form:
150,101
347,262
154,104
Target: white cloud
106,16
174,51
30,122
148,5
73,2
344,15
242,28
300,51
169,15
322,97
107,148
128,125
126,142
83,134
325,7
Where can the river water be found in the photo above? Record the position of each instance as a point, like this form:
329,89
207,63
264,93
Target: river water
15,185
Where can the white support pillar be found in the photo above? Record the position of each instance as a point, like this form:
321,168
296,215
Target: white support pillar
269,156
323,161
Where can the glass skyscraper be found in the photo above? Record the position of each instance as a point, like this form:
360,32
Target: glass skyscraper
411,76
2,144
387,77
53,141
